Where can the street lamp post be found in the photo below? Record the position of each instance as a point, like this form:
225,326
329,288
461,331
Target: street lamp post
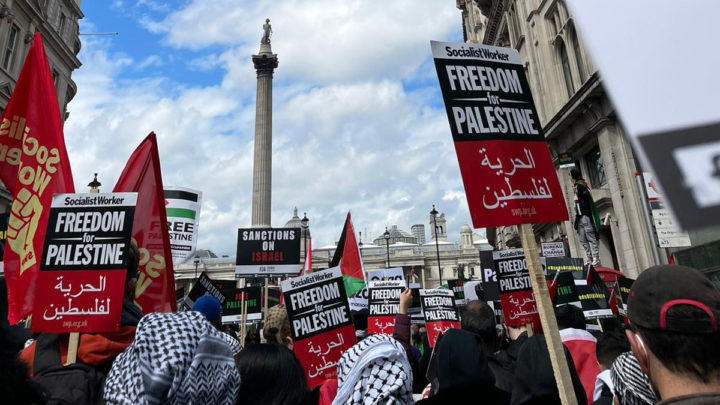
387,245
305,224
196,261
437,246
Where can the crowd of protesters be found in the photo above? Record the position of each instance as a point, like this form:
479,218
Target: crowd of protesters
668,353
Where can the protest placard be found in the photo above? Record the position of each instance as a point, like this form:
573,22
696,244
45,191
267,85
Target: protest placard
394,273
473,290
624,285
565,290
491,290
182,208
233,306
204,286
81,282
553,264
506,167
594,302
516,294
440,312
320,322
268,252
553,249
456,286
383,303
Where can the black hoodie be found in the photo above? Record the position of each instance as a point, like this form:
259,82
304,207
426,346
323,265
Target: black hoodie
534,379
460,371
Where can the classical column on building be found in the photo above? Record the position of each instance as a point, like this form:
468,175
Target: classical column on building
265,63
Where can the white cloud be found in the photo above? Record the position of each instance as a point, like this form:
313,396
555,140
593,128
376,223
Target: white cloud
347,133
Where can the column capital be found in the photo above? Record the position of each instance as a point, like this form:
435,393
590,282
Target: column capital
265,63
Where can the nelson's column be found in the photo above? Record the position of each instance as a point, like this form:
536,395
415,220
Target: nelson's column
265,63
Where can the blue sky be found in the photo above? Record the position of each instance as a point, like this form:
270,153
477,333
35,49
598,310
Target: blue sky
358,121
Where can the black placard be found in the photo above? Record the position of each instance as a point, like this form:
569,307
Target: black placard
94,238
268,251
316,307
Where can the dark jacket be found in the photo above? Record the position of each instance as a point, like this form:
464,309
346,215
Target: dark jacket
508,357
460,370
534,377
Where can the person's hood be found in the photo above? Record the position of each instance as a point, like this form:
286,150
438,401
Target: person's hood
461,361
130,315
534,377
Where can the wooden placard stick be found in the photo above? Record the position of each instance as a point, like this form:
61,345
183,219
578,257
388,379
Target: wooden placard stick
265,296
600,325
72,348
243,309
529,329
547,317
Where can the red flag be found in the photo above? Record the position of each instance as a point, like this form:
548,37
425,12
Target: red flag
33,166
155,290
308,259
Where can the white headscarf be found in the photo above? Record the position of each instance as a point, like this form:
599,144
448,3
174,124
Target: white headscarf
374,371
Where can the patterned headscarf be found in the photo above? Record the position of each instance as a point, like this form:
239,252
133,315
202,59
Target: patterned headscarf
175,359
374,371
630,383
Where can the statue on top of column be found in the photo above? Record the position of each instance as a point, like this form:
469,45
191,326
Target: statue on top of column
267,32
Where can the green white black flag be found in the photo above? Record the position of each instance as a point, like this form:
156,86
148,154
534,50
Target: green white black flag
182,206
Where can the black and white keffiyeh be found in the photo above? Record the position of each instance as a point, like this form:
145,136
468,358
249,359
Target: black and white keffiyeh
374,371
235,346
630,384
175,358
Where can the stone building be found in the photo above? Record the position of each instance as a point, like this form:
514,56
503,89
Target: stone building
419,261
577,117
57,21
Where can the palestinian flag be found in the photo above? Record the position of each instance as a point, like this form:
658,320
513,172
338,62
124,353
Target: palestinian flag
347,256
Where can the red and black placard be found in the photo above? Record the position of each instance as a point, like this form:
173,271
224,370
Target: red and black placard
440,312
516,294
384,304
320,322
507,170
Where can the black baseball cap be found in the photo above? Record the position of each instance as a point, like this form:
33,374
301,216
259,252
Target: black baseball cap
659,289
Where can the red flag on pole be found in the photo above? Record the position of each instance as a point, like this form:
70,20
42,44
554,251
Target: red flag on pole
308,258
155,290
33,166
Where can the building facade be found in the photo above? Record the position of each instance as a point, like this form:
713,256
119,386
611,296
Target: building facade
577,118
419,261
57,21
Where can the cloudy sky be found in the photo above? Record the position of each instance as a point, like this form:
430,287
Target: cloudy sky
358,119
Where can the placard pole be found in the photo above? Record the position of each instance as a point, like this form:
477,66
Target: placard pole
265,296
72,348
547,316
529,329
243,319
600,325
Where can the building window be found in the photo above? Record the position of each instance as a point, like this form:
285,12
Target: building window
61,26
55,76
567,75
595,168
578,57
10,48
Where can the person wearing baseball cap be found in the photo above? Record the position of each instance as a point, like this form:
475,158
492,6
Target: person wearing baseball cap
673,313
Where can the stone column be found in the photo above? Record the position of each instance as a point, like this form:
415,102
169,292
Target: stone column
265,63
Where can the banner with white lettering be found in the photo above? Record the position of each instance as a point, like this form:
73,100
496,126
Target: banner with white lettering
507,170
320,322
182,207
384,304
440,312
81,282
268,252
516,294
